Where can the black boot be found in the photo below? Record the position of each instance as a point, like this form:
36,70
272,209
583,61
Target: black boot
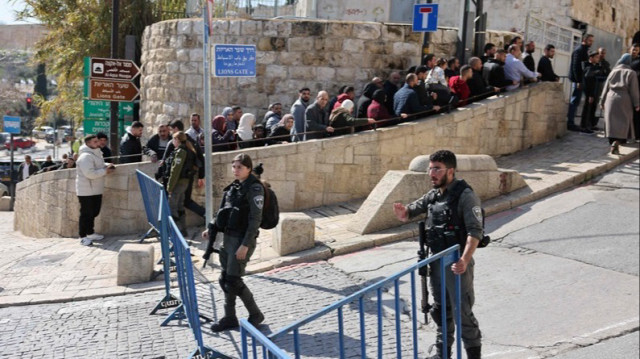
438,354
255,315
473,353
229,321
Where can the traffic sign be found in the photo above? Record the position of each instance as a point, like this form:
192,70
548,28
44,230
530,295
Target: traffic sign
93,125
114,69
110,90
11,124
102,109
234,60
425,17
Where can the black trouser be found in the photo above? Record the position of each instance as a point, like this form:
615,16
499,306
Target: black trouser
191,204
589,119
89,210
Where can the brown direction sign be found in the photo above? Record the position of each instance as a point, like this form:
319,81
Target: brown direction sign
114,69
109,90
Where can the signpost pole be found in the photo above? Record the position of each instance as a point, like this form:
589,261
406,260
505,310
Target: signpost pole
206,17
12,180
113,128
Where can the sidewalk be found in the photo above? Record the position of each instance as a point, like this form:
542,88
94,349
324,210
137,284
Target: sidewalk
34,271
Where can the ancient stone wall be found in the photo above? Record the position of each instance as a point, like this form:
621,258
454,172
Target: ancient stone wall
316,172
21,36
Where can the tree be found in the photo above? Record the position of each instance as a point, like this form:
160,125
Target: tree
78,29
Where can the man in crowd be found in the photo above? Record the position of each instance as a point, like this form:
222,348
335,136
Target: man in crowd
426,99
195,130
406,102
47,163
273,116
90,187
489,52
450,195
604,64
26,169
429,61
297,110
528,60
236,113
103,140
477,85
317,118
453,68
131,149
545,68
514,69
590,73
459,86
579,56
391,86
367,96
158,143
493,71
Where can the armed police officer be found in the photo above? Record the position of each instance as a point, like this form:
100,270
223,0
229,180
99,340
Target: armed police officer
454,216
239,218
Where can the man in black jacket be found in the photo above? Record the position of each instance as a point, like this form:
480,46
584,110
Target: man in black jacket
406,102
478,87
590,73
425,98
578,57
158,143
544,65
528,60
131,149
493,71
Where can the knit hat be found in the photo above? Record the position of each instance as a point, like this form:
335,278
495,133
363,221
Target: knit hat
347,104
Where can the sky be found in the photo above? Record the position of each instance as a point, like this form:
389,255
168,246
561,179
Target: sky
7,12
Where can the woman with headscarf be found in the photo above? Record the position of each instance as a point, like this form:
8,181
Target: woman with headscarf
619,99
245,126
341,117
281,133
377,109
220,135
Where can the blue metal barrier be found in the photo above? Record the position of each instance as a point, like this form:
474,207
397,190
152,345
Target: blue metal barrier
188,309
157,209
446,257
269,349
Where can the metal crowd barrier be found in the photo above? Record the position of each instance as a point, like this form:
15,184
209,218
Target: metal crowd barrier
446,257
157,209
188,309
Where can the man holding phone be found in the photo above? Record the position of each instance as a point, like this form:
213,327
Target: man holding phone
90,173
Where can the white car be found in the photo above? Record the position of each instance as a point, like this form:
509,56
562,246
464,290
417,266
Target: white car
42,131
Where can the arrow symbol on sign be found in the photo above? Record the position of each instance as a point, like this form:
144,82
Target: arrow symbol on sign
128,108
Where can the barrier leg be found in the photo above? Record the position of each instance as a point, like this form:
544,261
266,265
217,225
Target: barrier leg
207,353
169,301
177,314
148,234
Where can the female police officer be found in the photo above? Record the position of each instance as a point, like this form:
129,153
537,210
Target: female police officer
239,218
183,168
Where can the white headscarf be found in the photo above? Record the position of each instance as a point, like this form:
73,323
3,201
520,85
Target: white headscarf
245,127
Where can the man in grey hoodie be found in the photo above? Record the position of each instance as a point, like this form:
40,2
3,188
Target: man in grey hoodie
90,173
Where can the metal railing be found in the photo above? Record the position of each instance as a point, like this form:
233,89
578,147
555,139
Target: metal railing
446,257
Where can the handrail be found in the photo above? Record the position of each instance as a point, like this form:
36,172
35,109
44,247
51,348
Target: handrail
445,253
245,326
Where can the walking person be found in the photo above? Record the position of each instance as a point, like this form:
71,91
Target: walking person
450,204
620,98
183,169
245,199
90,174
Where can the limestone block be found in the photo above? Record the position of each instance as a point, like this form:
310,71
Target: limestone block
135,263
339,29
251,27
301,44
5,203
353,45
189,67
276,28
307,28
294,233
366,31
393,32
326,73
302,72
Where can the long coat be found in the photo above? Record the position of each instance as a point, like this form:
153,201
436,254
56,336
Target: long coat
620,96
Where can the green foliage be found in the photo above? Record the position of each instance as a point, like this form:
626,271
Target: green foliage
83,28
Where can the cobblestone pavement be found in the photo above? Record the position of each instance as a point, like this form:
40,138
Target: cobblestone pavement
59,269
121,327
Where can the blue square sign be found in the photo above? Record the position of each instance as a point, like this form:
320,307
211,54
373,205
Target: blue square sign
234,60
11,124
425,17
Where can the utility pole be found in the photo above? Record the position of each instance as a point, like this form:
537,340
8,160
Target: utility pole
426,38
113,123
464,37
481,29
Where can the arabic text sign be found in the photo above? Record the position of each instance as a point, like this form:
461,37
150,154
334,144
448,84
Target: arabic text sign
234,60
109,90
114,69
11,124
102,109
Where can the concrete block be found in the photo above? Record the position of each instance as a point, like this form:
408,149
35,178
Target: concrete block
294,233
135,263
4,203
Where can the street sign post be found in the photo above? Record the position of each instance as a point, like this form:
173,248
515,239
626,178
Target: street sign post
425,17
110,90
93,125
11,124
112,69
234,60
102,109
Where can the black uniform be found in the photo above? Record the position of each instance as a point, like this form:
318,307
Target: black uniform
590,74
445,228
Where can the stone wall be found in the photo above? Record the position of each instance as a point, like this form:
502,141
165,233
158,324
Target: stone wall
316,172
321,55
21,36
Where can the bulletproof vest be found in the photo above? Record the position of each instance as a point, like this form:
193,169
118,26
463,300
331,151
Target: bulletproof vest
445,227
189,168
234,214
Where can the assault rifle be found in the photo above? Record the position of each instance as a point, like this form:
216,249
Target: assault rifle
423,253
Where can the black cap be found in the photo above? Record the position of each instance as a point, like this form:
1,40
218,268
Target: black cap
593,53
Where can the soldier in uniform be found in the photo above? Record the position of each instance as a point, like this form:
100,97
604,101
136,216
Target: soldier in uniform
183,169
454,216
239,218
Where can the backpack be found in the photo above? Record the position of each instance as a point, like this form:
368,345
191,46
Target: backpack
270,211
452,200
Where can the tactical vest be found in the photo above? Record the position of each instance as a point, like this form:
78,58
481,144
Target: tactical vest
445,227
234,213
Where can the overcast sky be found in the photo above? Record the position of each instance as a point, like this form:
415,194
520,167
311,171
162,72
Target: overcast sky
7,12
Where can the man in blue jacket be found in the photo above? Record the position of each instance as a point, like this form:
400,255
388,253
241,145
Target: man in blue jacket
578,57
406,100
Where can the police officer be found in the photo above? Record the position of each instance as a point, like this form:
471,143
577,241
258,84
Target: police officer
454,216
239,218
183,169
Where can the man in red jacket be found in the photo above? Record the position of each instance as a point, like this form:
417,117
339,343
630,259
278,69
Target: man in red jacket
458,84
